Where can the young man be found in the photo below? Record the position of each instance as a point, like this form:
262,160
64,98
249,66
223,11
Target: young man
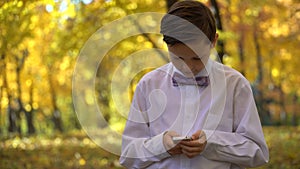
196,97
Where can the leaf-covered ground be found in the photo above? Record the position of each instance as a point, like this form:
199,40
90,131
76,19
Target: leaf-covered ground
71,151
284,147
77,151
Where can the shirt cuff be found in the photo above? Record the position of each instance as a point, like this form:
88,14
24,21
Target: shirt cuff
208,134
156,146
208,148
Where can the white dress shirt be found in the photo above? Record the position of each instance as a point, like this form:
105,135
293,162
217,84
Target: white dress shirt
225,110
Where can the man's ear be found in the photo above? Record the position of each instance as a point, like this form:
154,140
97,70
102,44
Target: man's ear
215,41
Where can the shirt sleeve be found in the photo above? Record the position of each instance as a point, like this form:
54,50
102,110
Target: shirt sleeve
139,149
245,146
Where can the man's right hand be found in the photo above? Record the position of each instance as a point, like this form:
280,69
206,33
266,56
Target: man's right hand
170,146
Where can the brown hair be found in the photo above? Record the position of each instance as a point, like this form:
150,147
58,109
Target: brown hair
193,12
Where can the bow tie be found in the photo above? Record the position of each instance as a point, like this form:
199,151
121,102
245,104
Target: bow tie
179,79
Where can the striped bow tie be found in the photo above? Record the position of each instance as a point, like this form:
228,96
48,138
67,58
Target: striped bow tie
179,79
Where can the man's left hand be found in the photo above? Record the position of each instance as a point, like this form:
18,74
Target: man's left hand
194,147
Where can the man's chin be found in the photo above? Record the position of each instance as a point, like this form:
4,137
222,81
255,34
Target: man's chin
189,74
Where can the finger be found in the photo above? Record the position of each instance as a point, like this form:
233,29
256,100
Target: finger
190,154
202,135
175,150
191,149
196,135
172,153
167,139
202,140
194,143
171,134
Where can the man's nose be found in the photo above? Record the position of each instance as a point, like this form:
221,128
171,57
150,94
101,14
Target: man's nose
188,66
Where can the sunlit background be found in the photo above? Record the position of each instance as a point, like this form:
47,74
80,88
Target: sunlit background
41,41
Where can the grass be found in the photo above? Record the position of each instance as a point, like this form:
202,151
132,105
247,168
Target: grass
71,151
77,151
284,146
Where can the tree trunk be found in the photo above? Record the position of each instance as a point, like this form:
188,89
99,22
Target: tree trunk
241,53
283,112
13,118
1,119
294,116
13,125
258,57
29,114
56,117
1,94
29,119
220,43
260,96
20,107
57,120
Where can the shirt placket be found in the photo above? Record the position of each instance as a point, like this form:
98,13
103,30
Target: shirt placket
190,110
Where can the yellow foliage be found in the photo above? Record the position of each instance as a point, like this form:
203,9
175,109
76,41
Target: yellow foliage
131,6
28,107
28,82
89,96
275,72
82,161
35,105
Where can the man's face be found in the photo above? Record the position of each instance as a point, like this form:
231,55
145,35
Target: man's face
189,62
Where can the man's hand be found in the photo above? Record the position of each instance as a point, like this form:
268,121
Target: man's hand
194,147
170,146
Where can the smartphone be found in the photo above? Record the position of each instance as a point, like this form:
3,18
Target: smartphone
183,138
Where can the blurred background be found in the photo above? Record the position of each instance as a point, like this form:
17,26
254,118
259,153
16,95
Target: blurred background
41,41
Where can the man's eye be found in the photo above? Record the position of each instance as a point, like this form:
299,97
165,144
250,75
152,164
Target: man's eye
177,58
